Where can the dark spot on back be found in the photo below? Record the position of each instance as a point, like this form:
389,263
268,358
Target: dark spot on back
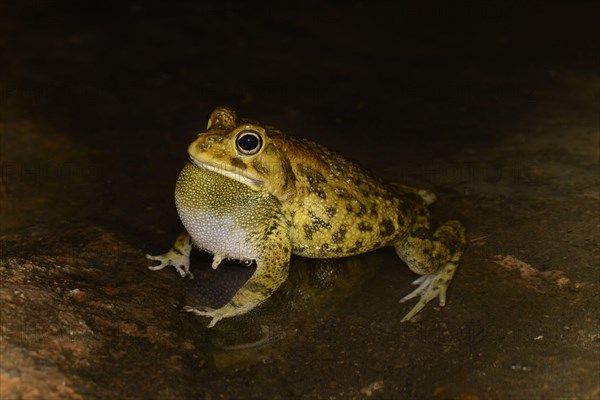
341,192
339,235
318,222
330,211
320,192
365,227
386,227
308,231
357,246
316,180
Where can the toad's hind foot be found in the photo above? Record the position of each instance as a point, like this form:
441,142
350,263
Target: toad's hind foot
215,315
430,287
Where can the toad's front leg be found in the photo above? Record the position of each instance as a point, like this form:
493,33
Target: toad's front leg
178,256
271,271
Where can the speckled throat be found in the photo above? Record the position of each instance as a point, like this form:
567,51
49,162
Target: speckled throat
221,214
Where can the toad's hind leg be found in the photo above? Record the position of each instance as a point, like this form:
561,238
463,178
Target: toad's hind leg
436,258
271,271
266,279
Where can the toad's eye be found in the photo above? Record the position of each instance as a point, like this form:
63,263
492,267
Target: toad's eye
248,142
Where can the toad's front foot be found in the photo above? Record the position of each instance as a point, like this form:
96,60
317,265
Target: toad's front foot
181,265
430,287
178,256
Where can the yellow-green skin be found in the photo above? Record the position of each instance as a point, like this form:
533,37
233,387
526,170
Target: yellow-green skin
293,196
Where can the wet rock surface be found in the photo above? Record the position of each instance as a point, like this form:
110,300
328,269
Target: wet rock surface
495,108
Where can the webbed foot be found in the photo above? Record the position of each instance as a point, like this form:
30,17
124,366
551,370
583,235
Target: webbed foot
215,315
430,287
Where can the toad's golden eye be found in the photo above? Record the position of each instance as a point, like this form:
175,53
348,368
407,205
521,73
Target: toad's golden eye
248,142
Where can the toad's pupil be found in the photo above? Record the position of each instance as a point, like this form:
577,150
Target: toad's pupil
248,142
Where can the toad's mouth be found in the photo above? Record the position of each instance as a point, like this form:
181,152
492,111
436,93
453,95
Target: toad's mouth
231,173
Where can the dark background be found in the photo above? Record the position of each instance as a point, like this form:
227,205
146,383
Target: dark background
493,105
101,72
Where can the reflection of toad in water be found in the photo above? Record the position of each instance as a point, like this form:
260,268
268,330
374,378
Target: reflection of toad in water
314,290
